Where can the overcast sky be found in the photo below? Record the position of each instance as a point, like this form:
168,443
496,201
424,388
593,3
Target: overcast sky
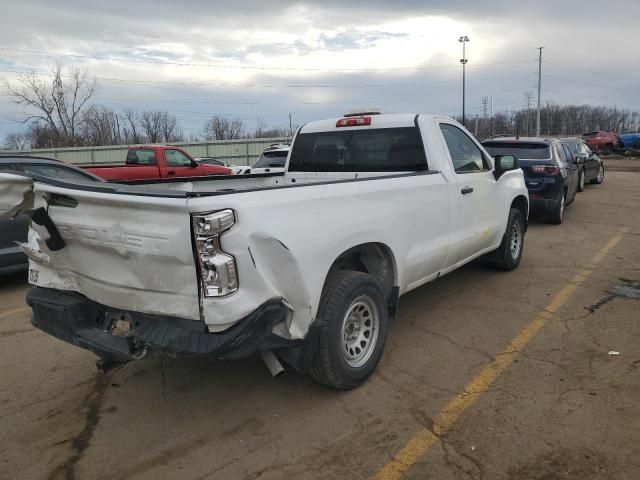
260,60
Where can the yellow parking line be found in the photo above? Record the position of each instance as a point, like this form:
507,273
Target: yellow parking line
420,443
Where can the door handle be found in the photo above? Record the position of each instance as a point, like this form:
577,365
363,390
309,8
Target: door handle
466,190
171,172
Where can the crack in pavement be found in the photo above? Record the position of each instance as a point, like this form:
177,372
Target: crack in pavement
92,404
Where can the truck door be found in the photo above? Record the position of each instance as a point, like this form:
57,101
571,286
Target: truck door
478,222
180,165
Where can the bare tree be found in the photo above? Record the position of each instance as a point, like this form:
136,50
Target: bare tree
160,127
101,126
16,141
262,131
131,129
222,128
58,103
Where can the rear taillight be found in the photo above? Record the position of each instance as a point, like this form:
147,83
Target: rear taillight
354,122
550,171
218,271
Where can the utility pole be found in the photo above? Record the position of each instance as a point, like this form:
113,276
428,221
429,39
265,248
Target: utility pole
463,39
485,106
539,90
528,96
485,109
491,113
290,126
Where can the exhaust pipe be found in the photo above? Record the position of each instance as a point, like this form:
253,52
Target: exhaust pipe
272,363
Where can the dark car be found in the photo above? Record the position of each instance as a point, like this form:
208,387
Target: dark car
549,171
590,165
15,230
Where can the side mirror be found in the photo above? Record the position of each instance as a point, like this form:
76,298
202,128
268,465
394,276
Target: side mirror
194,164
504,163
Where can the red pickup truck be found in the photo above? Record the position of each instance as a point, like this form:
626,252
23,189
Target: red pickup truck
150,162
600,140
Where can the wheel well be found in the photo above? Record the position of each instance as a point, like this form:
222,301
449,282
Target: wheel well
375,259
520,202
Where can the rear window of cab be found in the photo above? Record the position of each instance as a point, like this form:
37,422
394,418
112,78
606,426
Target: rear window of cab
359,150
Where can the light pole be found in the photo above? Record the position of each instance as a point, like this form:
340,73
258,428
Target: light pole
463,39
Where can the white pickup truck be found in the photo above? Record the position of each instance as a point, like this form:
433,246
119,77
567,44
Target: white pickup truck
307,265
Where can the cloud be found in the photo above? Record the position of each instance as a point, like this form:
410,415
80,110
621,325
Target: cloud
316,60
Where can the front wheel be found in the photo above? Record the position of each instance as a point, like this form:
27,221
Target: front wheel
353,320
508,255
600,176
581,180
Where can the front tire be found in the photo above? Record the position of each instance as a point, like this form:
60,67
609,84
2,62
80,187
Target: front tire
353,320
508,255
581,180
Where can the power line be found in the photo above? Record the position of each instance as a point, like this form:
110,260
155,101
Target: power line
608,74
241,67
254,85
573,80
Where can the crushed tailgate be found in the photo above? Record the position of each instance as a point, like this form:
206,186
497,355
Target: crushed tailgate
131,252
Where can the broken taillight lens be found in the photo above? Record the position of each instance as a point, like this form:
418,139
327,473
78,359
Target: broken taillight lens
218,270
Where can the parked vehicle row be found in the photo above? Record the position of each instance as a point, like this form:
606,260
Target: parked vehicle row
271,160
210,266
554,170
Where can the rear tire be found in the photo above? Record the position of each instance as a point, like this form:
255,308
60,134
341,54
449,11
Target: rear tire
353,320
599,176
508,255
581,180
557,216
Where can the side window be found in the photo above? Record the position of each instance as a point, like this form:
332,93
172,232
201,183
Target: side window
567,152
52,171
141,157
560,155
465,154
176,158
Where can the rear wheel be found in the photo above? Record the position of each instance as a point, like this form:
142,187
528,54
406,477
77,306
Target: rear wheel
353,321
600,176
509,253
581,180
557,216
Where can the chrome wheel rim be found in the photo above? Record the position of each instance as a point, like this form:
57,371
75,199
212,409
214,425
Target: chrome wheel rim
600,174
562,207
516,240
582,181
360,328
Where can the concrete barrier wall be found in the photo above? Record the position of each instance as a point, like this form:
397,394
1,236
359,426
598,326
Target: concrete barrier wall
233,152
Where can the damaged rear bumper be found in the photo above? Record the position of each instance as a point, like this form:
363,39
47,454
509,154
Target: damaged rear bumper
119,336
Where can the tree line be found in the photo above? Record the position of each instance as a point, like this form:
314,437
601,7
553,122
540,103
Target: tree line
556,120
61,113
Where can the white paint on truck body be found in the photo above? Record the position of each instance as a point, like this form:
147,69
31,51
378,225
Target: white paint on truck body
132,249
